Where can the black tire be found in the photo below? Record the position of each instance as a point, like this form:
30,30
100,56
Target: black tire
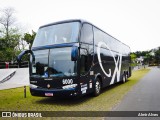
97,88
127,76
124,78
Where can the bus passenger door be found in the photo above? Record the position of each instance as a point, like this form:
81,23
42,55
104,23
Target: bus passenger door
85,67
84,64
86,57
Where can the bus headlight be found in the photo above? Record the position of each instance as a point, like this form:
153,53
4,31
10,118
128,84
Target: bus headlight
69,86
33,86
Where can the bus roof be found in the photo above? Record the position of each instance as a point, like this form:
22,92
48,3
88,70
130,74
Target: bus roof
64,21
81,21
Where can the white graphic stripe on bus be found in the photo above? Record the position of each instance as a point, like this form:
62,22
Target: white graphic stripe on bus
117,68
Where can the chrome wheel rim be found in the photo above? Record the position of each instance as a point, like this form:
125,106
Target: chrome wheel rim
98,87
124,78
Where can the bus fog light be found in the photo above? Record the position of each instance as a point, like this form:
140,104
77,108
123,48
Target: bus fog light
33,86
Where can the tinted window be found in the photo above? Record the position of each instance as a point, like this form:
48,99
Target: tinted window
84,61
41,63
57,34
98,36
87,34
60,63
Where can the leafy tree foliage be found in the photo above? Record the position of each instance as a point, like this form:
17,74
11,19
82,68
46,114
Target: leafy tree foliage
151,57
157,56
9,34
133,56
29,38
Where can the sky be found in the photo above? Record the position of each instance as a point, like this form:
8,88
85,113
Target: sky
133,22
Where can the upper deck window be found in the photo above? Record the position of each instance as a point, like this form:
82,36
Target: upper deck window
57,34
87,34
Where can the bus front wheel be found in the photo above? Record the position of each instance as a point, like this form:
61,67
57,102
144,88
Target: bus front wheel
97,87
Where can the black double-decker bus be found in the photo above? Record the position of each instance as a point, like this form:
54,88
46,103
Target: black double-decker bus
74,58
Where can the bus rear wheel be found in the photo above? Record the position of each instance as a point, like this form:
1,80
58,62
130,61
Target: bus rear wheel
124,78
97,87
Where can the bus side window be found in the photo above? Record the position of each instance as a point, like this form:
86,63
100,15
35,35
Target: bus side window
86,48
87,34
84,61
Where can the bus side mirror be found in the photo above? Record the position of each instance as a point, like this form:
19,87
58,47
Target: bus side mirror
74,53
19,57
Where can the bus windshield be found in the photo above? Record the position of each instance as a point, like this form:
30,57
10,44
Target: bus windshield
57,34
60,63
57,64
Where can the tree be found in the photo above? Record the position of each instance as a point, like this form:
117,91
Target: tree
9,34
157,56
138,53
147,57
133,57
29,38
7,19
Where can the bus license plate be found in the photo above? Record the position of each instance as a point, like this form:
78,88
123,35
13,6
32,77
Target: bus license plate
48,94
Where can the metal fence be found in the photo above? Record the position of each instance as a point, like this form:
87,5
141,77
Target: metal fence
4,65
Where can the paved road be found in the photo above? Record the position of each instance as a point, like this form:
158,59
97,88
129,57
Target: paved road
145,96
20,78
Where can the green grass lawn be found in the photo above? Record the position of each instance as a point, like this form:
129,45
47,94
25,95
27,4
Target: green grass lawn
13,99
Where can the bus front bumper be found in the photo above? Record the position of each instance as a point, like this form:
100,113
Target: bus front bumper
53,92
